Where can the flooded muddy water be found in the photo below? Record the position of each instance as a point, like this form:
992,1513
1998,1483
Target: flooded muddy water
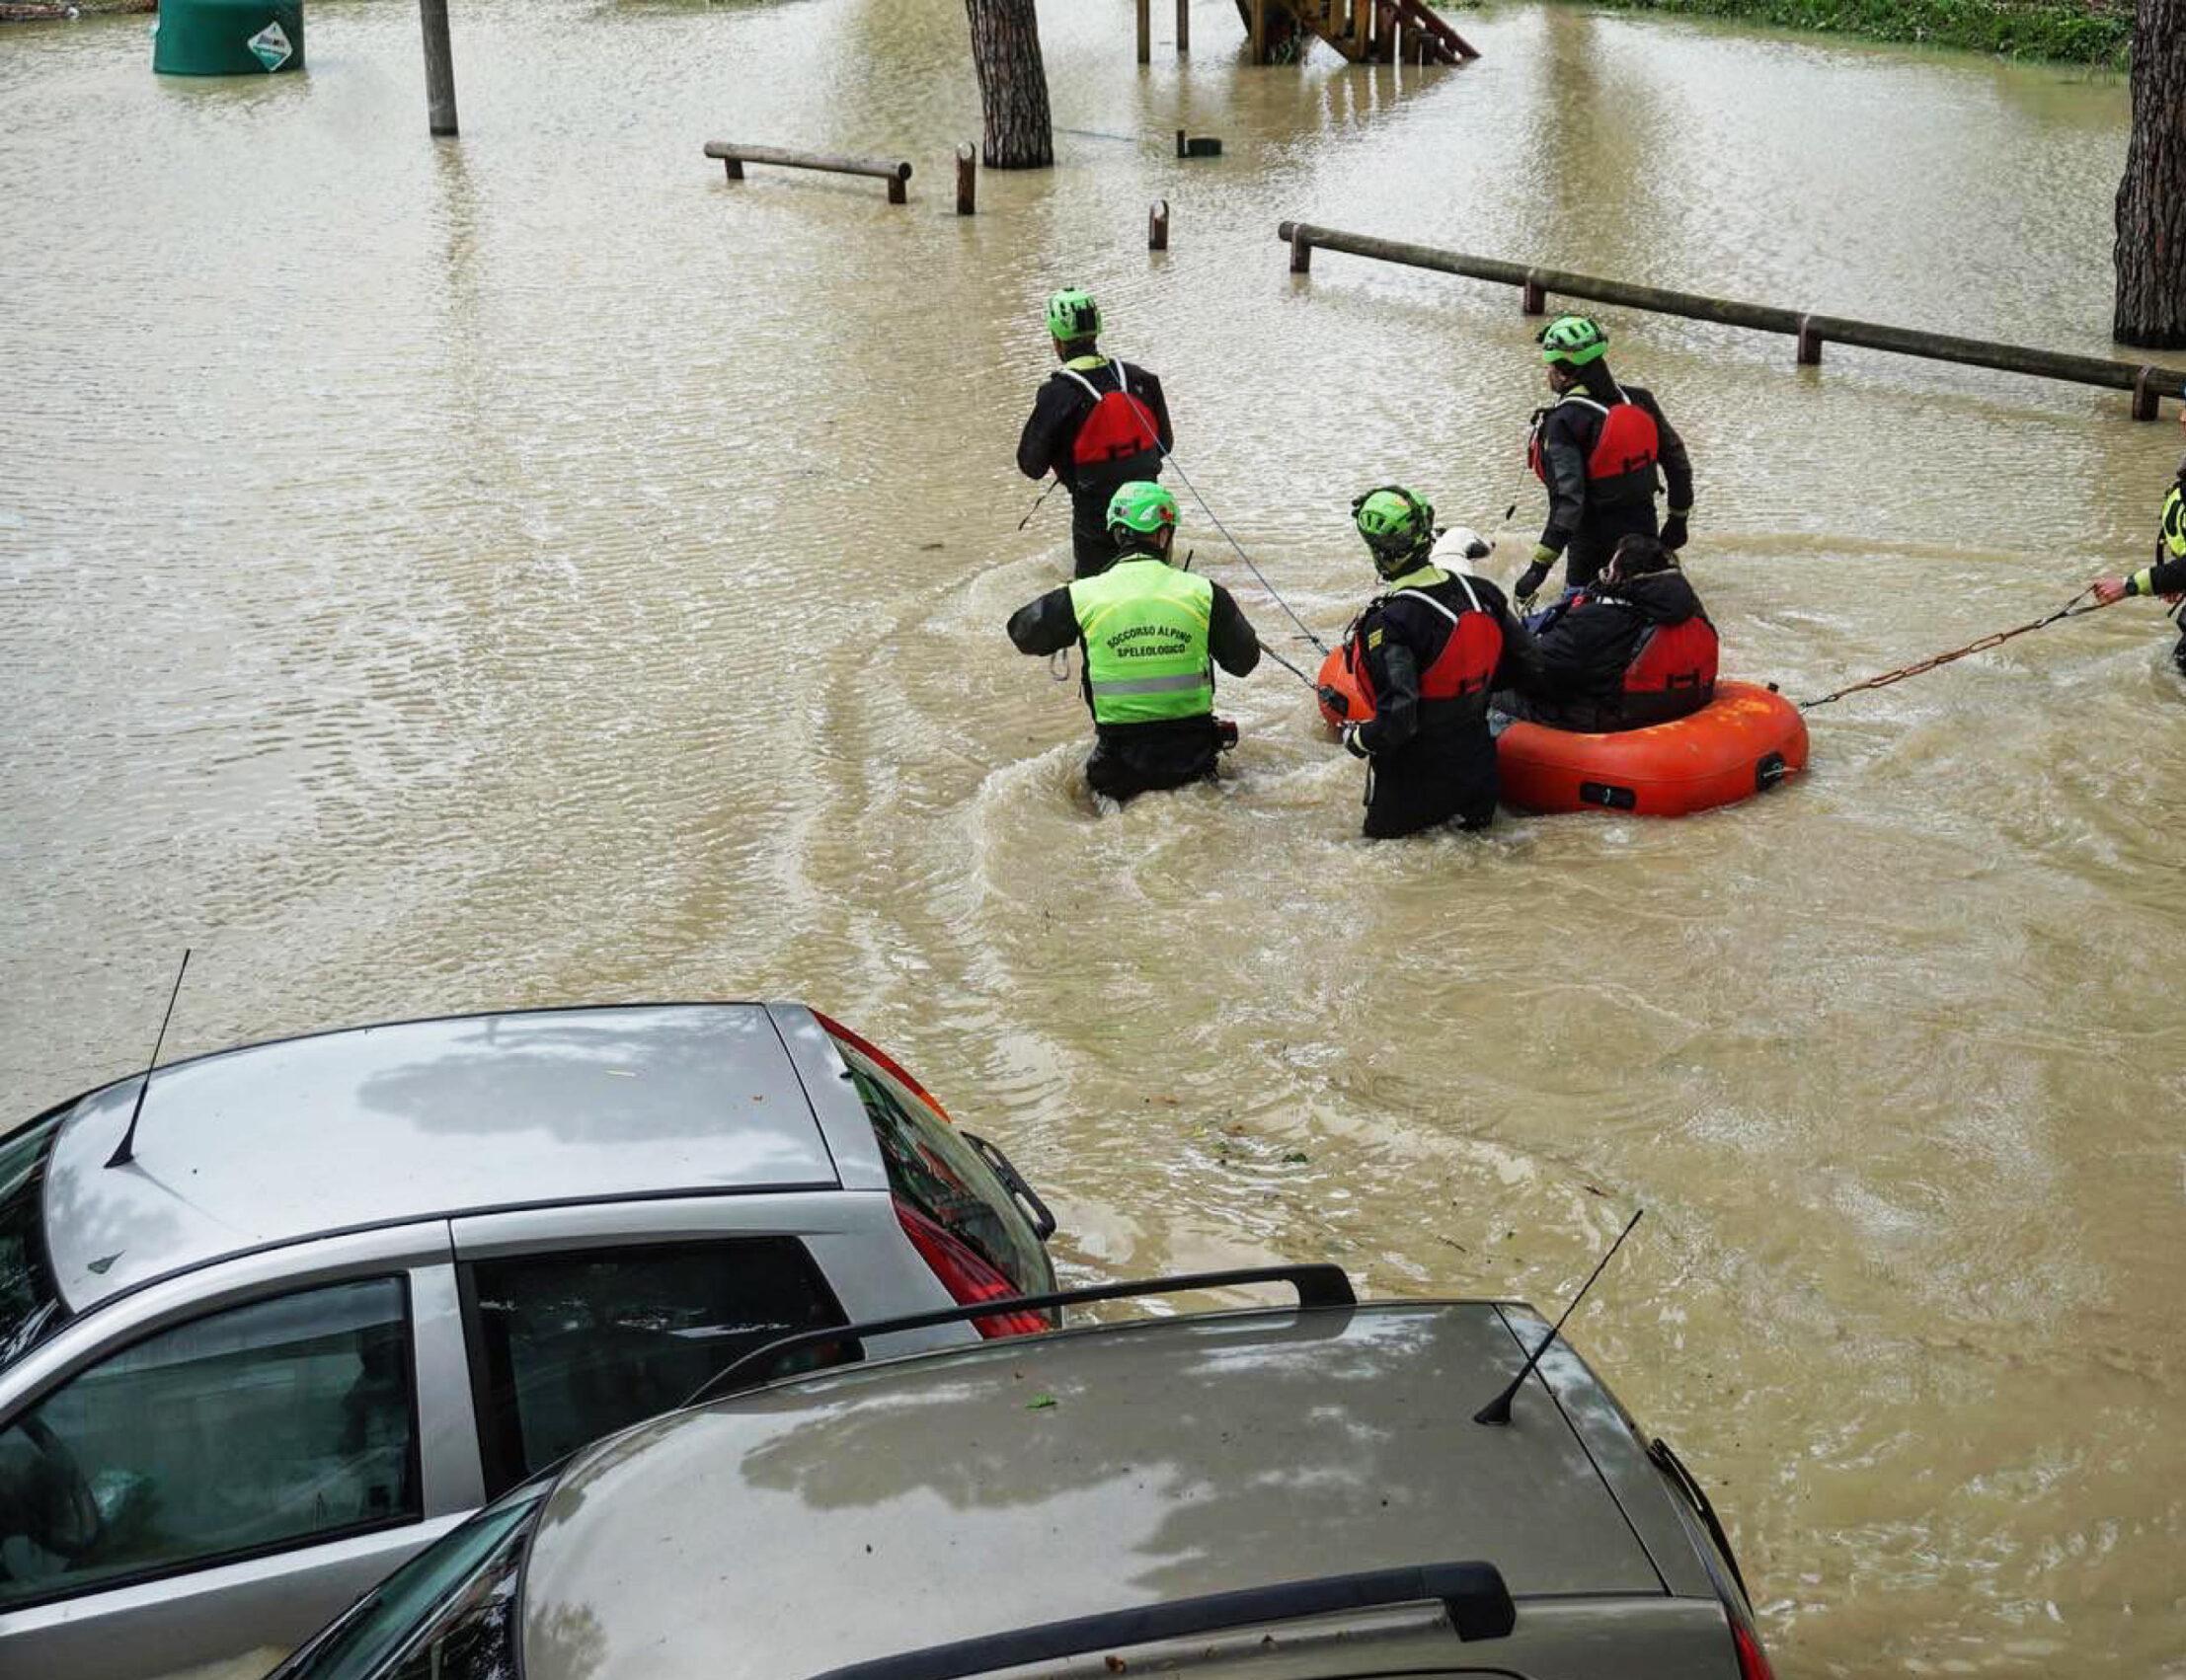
533,570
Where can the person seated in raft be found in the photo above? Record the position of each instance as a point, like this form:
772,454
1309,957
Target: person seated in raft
2167,575
1634,649
1427,652
1153,635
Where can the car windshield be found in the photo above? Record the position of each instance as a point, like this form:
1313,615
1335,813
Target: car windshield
29,1299
434,1588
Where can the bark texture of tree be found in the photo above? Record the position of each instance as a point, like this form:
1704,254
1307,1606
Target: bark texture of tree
2151,199
1013,84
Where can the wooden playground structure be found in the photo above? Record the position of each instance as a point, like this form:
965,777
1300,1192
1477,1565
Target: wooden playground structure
1364,31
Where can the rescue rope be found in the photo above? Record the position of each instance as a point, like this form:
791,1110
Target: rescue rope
1037,500
1996,639
1286,665
1260,575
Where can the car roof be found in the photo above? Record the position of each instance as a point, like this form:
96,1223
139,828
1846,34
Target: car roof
886,1507
375,1125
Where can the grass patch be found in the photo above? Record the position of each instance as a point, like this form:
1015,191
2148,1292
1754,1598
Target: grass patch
2070,32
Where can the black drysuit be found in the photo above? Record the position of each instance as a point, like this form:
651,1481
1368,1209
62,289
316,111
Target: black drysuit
1430,761
1588,510
1050,431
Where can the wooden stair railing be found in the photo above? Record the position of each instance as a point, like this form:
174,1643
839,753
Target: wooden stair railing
1364,31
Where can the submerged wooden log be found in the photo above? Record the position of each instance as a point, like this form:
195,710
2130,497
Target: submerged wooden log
734,155
1810,332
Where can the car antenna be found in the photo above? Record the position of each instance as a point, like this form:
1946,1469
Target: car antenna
125,1151
1498,1410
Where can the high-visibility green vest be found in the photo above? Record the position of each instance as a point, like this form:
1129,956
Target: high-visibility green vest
2174,524
1144,625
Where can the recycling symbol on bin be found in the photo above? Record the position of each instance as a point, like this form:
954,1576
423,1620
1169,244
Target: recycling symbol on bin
271,47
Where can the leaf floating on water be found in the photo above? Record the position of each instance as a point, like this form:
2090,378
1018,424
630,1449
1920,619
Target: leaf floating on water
1296,1158
103,1265
1044,1403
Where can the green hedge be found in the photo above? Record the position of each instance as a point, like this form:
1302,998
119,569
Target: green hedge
2078,32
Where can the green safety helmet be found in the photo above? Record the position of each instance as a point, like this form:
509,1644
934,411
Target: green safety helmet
1572,340
1396,525
1073,315
1139,508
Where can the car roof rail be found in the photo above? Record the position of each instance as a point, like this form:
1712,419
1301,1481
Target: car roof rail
1474,1595
1318,1284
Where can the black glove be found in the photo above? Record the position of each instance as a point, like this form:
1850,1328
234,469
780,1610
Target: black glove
1530,581
1335,701
1675,533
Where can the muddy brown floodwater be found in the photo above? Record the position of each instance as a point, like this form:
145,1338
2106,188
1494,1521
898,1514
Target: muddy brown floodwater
533,570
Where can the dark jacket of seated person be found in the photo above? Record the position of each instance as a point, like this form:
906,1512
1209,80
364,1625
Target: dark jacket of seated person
1634,649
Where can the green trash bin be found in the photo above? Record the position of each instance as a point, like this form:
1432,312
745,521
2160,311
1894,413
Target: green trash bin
228,38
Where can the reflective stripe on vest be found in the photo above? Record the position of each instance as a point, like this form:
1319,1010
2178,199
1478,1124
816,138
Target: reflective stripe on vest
1145,626
1120,428
1467,661
2174,524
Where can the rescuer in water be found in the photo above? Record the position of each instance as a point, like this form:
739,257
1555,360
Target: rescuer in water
1426,653
1153,635
1097,424
2166,576
1597,447
1633,649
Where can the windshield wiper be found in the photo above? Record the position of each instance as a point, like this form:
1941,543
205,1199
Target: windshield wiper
1479,1603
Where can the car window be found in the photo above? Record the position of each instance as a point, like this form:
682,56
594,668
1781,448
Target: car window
572,1346
275,1424
445,1614
30,1300
931,1167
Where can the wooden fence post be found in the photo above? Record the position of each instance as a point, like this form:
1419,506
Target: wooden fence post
2146,402
1810,343
1532,299
1145,32
1184,27
967,176
440,67
1157,226
1302,251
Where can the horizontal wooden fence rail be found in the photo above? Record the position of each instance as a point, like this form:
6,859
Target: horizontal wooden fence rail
2146,381
735,156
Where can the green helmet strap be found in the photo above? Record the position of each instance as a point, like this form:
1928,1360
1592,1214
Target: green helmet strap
1073,316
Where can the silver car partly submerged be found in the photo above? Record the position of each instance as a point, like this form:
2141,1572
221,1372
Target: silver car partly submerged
1297,1494
351,1286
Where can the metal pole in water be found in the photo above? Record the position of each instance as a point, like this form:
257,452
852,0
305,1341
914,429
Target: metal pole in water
440,67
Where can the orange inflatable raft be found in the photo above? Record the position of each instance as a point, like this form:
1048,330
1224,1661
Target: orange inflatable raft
1744,741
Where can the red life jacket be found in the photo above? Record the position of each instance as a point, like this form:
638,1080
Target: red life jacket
1465,665
1120,425
1628,443
1674,659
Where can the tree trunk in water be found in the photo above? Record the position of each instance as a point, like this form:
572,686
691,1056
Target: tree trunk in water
1013,84
2151,200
